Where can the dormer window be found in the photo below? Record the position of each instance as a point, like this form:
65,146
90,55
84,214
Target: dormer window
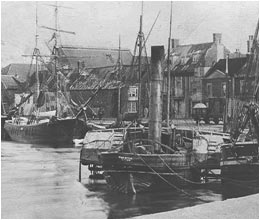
195,58
109,56
183,60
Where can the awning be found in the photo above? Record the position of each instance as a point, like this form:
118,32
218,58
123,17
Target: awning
199,105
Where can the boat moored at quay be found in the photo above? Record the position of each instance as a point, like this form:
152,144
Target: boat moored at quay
151,163
45,132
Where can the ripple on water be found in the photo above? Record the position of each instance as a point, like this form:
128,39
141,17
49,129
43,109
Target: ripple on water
41,182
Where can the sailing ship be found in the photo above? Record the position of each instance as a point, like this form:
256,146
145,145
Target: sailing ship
240,159
48,127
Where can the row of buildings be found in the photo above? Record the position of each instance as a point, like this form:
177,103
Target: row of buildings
200,73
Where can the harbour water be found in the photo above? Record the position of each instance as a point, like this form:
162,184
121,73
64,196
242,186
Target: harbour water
42,182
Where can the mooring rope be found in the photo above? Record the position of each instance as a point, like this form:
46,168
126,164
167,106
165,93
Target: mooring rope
183,178
175,187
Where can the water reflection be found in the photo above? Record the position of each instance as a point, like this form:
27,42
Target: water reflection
40,181
125,206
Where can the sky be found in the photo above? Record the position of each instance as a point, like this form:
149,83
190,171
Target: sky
99,24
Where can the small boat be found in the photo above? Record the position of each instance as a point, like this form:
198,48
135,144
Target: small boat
240,162
4,135
240,159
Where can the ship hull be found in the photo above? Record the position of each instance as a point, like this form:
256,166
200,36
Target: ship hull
4,135
134,173
240,169
56,132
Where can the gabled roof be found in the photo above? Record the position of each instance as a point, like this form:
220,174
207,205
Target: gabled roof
8,82
184,53
19,70
93,57
234,65
216,74
183,62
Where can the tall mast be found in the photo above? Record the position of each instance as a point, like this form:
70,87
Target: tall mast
119,77
227,97
169,72
55,56
140,36
55,49
36,51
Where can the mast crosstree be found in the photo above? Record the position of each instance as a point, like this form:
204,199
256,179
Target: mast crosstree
55,50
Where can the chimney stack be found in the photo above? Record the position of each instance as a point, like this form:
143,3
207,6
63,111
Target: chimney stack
250,44
175,43
155,105
217,38
237,53
227,56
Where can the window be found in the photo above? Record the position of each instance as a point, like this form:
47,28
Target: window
223,89
178,86
133,93
165,84
131,107
183,60
209,89
241,86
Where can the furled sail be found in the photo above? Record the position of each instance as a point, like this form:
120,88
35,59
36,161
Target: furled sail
40,100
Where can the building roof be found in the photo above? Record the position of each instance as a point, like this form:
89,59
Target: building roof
89,79
183,57
8,82
93,57
18,70
92,79
251,67
188,57
234,65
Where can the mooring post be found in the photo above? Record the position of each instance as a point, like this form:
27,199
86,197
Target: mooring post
80,166
155,106
79,171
